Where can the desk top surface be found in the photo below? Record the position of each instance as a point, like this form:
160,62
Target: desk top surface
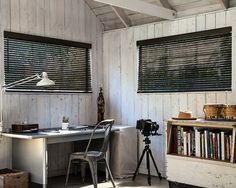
57,132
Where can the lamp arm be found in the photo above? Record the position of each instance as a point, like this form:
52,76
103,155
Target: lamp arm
22,81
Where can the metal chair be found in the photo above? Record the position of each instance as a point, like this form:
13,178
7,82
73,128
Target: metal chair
92,157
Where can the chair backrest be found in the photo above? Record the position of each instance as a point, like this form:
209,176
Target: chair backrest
107,125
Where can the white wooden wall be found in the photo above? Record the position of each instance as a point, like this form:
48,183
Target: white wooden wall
120,76
63,19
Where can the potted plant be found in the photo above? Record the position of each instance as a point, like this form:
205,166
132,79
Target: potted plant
65,123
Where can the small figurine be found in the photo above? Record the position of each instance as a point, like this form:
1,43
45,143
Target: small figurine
101,106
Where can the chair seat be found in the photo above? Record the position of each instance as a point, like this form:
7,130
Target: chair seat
90,155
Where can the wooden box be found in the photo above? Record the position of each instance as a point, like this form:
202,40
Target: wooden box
21,128
13,178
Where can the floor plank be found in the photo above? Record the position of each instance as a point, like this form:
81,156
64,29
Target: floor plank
75,182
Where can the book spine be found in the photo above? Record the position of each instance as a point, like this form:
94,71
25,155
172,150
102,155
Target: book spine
227,146
182,139
197,143
179,141
202,145
175,140
206,143
230,146
193,144
189,143
214,144
222,139
185,143
219,146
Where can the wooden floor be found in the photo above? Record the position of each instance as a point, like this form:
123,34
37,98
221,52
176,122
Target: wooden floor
140,181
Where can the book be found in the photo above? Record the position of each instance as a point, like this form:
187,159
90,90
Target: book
185,143
182,139
197,144
222,139
214,146
189,143
202,145
218,146
193,149
179,141
175,140
206,142
226,147
210,146
230,146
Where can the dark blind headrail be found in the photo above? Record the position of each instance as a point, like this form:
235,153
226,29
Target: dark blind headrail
211,32
41,39
198,61
68,65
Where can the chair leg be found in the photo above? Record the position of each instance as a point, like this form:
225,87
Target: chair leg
83,170
109,171
68,172
93,169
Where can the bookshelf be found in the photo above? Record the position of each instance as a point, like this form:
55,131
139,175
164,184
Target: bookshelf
201,153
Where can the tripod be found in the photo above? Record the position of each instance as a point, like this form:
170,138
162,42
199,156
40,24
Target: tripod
148,152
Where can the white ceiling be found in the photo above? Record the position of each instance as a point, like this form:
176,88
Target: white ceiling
110,18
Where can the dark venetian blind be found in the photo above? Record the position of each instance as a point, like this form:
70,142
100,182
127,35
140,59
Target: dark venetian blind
66,62
199,61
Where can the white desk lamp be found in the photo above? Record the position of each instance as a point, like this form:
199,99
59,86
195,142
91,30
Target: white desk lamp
44,81
43,77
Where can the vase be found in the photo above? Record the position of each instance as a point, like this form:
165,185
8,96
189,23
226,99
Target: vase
64,126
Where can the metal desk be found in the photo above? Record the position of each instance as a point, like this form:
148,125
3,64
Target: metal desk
29,150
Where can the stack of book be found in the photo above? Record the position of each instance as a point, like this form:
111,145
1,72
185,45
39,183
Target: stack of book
205,143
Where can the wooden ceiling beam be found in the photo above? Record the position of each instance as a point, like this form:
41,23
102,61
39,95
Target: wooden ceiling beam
224,3
142,7
122,15
166,4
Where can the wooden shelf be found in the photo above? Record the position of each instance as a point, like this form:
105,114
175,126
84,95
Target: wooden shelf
207,172
204,123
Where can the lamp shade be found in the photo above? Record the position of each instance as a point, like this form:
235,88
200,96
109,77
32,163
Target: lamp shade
45,81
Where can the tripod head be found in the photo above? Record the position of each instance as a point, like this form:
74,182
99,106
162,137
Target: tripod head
146,140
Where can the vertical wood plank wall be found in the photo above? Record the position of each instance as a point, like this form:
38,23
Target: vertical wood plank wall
120,77
63,19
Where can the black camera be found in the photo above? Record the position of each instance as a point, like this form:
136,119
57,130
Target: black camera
147,127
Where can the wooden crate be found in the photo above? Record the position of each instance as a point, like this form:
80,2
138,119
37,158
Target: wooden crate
13,179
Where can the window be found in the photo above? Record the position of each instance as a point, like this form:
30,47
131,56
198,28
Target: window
66,62
199,61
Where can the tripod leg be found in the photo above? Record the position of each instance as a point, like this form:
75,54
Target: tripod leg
159,174
140,160
148,167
